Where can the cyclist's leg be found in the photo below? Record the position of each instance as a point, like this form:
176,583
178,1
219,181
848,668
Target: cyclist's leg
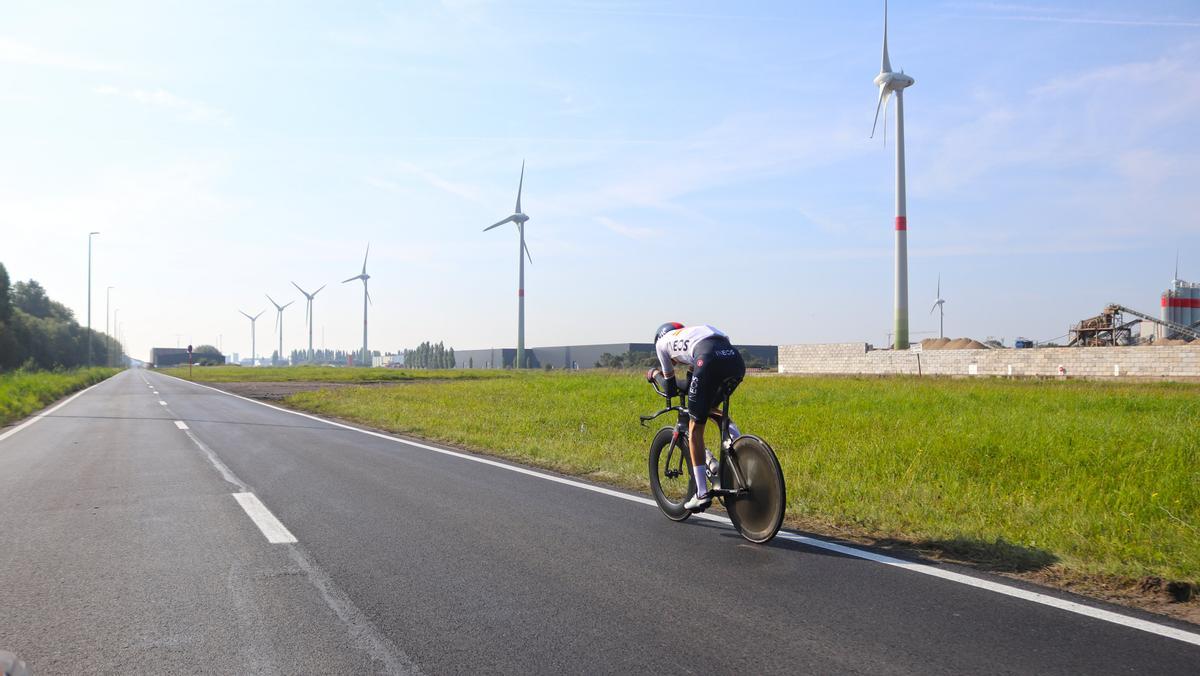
701,390
718,370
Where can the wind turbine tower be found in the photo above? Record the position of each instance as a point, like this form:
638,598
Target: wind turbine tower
940,305
891,83
519,218
253,333
366,299
308,314
279,324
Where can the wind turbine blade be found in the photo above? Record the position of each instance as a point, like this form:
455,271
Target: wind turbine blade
285,306
272,300
368,294
526,247
365,258
878,106
886,66
301,290
352,279
939,294
260,313
520,185
933,308
510,219
314,293
245,315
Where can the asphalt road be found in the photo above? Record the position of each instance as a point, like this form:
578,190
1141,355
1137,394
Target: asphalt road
123,549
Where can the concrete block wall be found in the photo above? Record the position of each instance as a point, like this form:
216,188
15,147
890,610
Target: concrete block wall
1149,361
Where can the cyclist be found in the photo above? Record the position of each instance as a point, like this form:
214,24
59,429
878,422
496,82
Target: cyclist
715,368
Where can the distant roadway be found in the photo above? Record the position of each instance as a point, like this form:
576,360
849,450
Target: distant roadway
151,525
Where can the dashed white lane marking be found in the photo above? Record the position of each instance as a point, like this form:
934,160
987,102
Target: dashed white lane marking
262,517
922,568
161,402
181,425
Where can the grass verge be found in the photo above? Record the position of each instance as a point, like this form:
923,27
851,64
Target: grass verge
1085,478
24,392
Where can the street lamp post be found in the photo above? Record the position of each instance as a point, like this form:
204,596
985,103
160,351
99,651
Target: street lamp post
89,303
108,360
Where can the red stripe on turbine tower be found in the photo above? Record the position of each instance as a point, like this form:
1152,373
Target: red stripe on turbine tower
902,223
521,292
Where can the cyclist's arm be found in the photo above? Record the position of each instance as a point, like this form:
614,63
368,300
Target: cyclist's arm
664,357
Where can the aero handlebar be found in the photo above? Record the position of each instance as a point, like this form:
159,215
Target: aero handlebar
659,383
647,418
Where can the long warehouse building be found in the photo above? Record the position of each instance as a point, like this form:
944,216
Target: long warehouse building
584,356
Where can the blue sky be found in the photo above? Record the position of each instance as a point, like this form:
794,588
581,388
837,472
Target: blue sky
692,161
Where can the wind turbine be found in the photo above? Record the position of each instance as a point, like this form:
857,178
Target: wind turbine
366,298
890,83
940,306
279,323
253,333
308,314
519,218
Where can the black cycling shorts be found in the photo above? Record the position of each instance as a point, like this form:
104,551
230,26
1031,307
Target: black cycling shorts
718,371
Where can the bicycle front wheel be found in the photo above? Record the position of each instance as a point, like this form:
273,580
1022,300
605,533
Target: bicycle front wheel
671,479
758,514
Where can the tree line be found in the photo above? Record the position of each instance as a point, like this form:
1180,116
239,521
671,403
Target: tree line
37,332
430,356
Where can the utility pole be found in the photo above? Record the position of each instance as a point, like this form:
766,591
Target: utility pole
89,300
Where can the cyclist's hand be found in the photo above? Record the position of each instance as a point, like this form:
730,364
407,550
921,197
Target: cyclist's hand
653,374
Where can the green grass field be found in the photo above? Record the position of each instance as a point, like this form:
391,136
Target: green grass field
24,392
1098,478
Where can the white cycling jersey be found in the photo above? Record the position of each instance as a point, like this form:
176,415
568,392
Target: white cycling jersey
676,347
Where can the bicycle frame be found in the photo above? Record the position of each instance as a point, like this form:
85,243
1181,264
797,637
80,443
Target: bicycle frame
727,454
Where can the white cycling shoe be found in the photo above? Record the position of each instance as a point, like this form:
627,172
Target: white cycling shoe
697,504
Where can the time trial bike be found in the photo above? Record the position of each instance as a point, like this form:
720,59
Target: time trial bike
749,482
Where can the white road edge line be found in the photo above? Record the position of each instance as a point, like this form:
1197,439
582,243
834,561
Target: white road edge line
181,425
161,402
262,517
922,568
38,416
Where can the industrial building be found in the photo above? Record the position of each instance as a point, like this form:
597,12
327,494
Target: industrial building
1181,305
581,356
161,357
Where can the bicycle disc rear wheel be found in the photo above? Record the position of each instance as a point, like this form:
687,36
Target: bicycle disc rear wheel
758,515
671,479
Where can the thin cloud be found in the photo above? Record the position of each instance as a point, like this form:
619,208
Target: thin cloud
21,53
1043,14
458,189
190,110
629,231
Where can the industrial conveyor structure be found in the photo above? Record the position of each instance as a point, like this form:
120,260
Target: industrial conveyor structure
1110,328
